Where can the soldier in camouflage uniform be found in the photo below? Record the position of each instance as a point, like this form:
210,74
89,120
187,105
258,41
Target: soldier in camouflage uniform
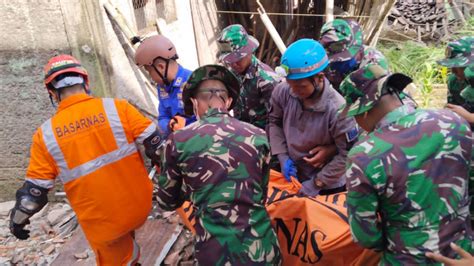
236,48
343,42
408,178
467,95
459,55
223,165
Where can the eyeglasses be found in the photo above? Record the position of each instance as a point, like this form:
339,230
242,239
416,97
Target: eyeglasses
207,93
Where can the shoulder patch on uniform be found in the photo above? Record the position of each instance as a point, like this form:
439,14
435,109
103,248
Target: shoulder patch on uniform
352,134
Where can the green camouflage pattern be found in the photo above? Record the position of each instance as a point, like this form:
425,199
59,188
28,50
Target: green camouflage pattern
342,39
234,43
408,186
459,53
362,89
455,87
369,55
213,72
253,105
468,92
222,165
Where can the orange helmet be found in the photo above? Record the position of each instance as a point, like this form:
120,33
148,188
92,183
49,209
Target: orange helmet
157,46
64,64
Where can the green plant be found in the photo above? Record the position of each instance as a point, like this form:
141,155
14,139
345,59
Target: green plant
419,62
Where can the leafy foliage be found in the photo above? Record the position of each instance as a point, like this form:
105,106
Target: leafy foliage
419,61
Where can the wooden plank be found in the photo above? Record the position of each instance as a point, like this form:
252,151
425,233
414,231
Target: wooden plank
155,238
206,30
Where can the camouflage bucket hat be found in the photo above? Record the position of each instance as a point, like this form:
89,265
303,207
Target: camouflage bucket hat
210,72
459,53
365,86
235,43
468,92
342,39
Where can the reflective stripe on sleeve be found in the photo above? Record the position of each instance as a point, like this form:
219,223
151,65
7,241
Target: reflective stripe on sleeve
44,183
147,132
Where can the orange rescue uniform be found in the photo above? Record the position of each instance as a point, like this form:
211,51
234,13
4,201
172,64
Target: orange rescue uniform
90,145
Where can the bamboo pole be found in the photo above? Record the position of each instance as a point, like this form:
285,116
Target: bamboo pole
271,29
329,10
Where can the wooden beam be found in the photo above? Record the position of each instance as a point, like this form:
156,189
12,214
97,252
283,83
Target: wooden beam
329,10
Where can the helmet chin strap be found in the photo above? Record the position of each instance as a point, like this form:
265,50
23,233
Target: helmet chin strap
316,89
163,77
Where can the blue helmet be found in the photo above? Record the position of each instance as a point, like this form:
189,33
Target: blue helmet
303,58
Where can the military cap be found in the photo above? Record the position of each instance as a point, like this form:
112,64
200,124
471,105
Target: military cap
235,43
459,53
365,86
342,39
210,72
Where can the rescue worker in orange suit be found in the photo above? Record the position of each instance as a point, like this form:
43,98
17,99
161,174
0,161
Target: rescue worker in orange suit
90,144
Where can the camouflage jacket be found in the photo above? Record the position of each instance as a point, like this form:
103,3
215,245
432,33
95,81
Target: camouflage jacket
253,104
223,164
369,56
408,186
454,93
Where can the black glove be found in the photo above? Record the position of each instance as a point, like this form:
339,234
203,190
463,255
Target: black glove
18,230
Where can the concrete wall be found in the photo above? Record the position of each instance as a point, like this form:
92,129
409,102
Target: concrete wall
32,32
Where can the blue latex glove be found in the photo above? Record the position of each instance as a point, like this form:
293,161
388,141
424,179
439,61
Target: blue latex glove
308,188
289,169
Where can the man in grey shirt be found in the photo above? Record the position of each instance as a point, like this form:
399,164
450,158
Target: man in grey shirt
305,131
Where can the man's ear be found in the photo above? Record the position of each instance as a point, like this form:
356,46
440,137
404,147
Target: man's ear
320,76
228,103
195,106
53,95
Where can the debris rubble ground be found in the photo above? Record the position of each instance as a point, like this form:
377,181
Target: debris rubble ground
56,238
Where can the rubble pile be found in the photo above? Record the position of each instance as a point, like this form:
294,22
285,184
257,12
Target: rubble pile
56,225
422,19
49,230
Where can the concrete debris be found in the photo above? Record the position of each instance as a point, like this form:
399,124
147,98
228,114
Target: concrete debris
53,228
43,245
17,258
5,207
56,215
82,255
49,249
